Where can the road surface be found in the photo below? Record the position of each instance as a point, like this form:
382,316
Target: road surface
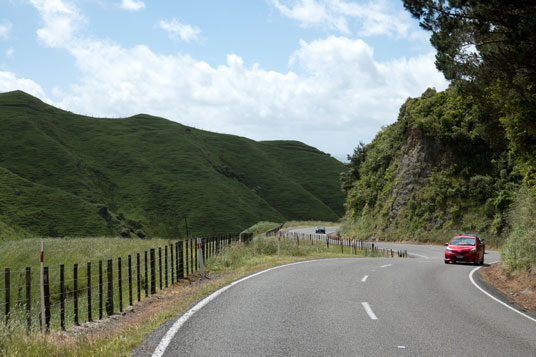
353,307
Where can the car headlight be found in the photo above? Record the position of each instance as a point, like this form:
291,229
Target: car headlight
472,250
448,249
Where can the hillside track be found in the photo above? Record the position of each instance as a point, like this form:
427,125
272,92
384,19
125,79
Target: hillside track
358,307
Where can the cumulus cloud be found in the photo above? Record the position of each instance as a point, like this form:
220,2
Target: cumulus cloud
176,30
341,95
61,22
10,82
312,13
372,18
132,5
5,30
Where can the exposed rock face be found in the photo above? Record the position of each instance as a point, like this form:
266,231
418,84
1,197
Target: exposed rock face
417,154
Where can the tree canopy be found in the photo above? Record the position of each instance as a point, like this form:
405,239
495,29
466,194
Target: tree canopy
490,46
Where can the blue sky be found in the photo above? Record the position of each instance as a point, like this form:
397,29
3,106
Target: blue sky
329,73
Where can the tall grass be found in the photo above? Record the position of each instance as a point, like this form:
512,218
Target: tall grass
263,249
519,251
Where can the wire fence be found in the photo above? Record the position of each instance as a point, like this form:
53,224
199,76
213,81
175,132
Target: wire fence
353,245
93,290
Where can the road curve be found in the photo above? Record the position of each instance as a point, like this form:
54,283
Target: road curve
355,307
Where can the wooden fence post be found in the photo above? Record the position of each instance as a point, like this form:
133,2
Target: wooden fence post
181,261
153,271
7,292
100,290
186,260
192,269
88,286
138,275
62,297
28,299
146,275
177,260
171,262
130,280
110,297
120,282
75,293
47,298
165,265
160,265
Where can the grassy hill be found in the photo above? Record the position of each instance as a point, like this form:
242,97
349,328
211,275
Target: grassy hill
63,174
440,169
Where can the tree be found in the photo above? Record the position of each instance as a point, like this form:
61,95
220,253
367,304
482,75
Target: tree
490,47
351,174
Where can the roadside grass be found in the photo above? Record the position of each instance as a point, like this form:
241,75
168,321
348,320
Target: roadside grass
234,262
301,224
17,255
261,227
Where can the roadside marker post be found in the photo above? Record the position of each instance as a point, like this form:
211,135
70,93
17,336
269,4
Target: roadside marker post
279,246
200,257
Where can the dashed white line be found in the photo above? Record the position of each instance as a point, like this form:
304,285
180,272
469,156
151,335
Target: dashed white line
386,265
420,256
364,278
369,311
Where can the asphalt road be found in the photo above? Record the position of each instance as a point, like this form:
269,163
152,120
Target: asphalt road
355,307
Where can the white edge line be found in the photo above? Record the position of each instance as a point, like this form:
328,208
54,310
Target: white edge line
364,278
494,298
386,265
369,310
161,348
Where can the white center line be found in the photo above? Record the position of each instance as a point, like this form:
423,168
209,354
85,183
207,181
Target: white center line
369,311
364,278
385,266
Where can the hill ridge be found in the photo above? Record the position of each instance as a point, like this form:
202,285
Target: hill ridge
150,176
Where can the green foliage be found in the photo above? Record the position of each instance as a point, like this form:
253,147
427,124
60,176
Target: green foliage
488,46
261,227
519,251
63,174
432,171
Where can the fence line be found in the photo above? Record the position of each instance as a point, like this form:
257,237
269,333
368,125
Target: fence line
95,290
103,288
353,244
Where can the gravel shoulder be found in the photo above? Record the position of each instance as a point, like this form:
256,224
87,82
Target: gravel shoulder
519,288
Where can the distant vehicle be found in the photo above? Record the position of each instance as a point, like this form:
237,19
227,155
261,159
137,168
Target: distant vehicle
321,229
464,248
480,239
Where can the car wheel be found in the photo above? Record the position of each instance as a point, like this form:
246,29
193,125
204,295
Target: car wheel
446,261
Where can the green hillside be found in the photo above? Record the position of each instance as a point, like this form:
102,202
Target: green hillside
436,171
63,174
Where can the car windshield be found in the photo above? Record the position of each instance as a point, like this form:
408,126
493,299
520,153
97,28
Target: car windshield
462,241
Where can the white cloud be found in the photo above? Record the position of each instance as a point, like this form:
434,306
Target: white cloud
313,13
10,82
132,5
341,95
10,52
5,30
176,30
372,18
61,21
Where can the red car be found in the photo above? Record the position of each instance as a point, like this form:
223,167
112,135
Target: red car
464,248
